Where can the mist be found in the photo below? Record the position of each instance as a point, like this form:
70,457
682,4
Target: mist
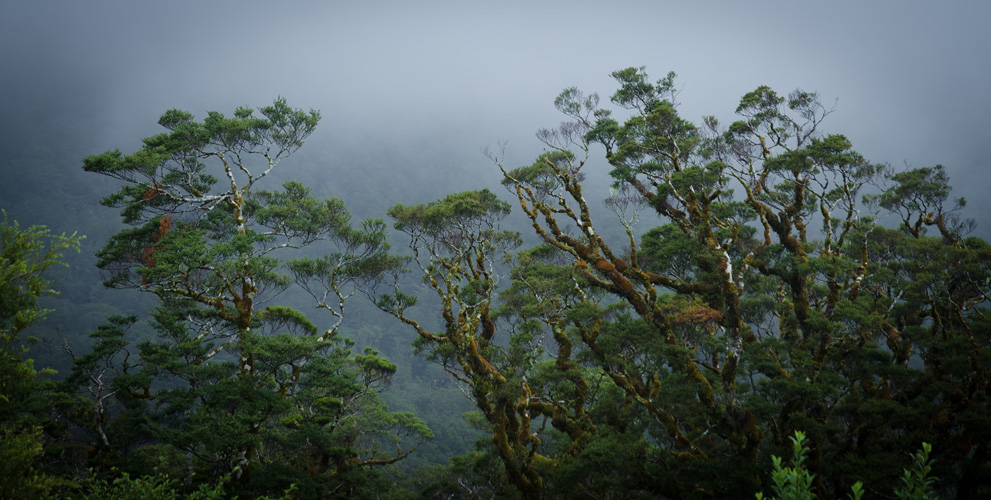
435,81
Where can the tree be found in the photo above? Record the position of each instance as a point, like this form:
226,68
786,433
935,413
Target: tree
232,375
25,397
97,371
536,404
25,255
456,244
780,308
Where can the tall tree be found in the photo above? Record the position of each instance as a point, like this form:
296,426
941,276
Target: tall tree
25,397
457,244
753,306
493,337
232,370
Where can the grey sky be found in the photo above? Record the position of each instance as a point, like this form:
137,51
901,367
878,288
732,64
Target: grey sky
910,76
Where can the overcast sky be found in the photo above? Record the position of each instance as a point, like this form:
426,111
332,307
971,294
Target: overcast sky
909,77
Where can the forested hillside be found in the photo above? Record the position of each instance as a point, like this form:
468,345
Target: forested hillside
655,306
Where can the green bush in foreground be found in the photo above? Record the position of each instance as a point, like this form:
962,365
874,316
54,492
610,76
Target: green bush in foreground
795,482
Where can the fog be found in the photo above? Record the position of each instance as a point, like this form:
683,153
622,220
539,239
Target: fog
450,77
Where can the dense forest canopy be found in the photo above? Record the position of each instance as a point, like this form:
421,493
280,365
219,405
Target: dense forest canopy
737,297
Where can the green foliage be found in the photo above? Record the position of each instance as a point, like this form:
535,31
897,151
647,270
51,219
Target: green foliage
744,317
918,197
453,211
25,397
156,487
25,255
793,482
458,245
231,385
918,484
20,476
796,482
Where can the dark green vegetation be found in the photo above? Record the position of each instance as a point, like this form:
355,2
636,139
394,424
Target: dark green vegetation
765,298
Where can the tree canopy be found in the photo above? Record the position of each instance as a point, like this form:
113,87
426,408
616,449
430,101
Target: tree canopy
769,299
25,256
235,381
